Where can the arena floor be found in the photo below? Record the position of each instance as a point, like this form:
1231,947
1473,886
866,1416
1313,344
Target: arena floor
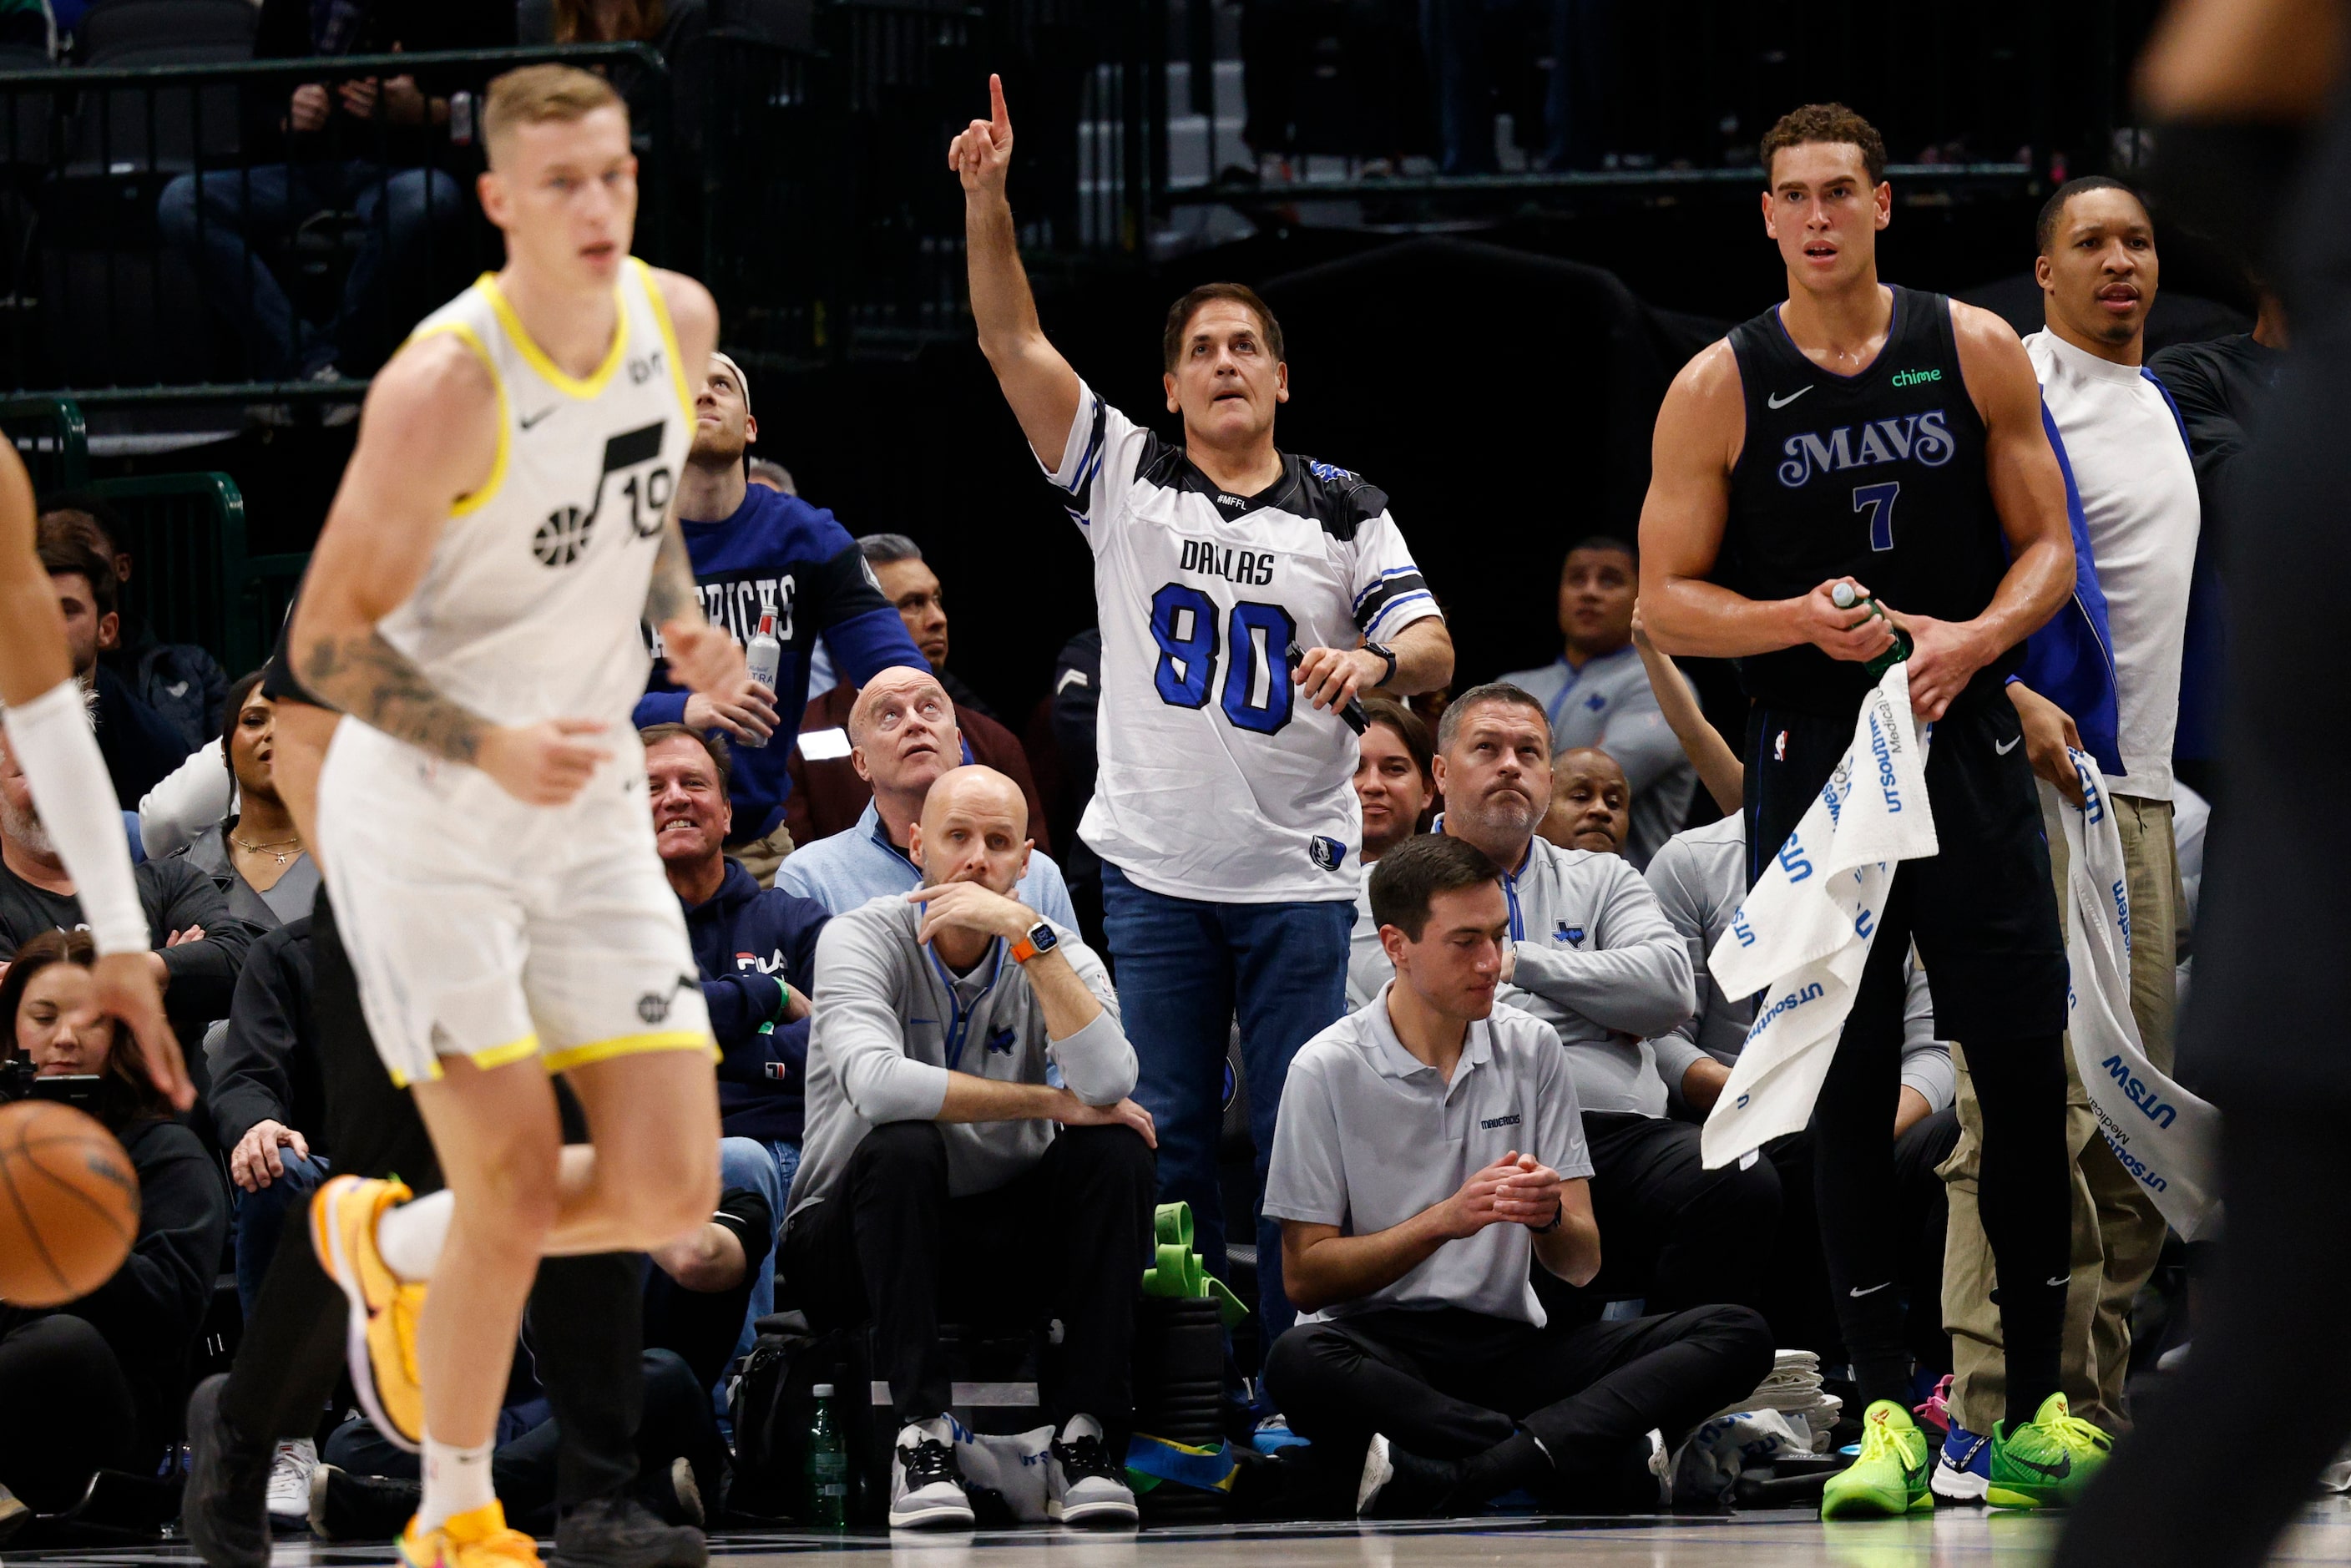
1772,1538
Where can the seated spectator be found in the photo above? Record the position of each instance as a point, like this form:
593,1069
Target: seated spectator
677,29
971,1149
198,946
769,473
257,857
360,145
827,790
1590,804
99,1383
755,950
1396,791
1700,880
903,733
138,743
366,1489
1429,1151
181,681
1596,693
267,1099
1593,956
757,552
698,1294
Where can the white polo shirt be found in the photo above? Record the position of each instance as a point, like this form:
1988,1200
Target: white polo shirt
1369,1136
2130,462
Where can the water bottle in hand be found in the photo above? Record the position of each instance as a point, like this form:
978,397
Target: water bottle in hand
827,1466
1844,598
764,656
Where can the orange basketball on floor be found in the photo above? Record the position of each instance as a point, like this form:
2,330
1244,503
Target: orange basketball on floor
68,1204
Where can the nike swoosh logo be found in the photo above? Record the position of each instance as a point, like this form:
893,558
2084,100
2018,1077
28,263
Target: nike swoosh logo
1776,401
534,419
2056,1472
1871,1292
2011,746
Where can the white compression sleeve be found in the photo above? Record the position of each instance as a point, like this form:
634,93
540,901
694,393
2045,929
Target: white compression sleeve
54,745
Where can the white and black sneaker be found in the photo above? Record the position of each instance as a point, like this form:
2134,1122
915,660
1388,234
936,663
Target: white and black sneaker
1084,1485
926,1483
289,1482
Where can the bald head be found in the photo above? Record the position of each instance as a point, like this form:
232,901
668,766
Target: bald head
1591,802
903,735
975,827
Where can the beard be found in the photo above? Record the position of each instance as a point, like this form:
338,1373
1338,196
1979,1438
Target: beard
717,450
27,828
1504,814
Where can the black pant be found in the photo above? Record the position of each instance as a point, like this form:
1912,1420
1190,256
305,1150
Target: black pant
1448,1383
1985,918
66,1410
1796,1294
526,1469
1070,1238
584,1312
1676,1234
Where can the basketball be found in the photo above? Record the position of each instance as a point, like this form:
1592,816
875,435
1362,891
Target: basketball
68,1204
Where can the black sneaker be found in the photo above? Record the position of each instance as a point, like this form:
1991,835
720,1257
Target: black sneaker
225,1508
926,1483
345,1506
1083,1484
1399,1484
621,1532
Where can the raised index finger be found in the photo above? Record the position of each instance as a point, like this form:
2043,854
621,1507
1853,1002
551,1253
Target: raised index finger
999,118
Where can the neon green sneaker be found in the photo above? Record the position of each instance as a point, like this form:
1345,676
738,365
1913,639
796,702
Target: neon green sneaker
1889,1480
2046,1463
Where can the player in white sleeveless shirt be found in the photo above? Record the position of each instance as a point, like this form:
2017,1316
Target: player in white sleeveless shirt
474,608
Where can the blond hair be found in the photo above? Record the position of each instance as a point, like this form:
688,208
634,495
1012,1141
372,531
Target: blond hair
536,95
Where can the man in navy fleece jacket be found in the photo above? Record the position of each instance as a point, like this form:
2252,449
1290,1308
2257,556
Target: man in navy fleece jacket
755,552
756,951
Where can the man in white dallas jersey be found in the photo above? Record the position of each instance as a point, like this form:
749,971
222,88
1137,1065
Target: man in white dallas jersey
474,608
1224,811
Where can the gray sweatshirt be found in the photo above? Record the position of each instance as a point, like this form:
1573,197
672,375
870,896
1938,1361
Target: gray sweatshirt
890,1022
1598,961
1700,879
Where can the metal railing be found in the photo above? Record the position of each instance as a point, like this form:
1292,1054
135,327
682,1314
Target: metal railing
176,238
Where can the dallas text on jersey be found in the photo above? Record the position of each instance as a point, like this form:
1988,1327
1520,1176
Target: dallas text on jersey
1253,567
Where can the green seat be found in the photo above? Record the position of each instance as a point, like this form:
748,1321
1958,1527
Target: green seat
50,436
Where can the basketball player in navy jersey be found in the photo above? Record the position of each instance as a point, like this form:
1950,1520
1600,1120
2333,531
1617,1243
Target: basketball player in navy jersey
1873,435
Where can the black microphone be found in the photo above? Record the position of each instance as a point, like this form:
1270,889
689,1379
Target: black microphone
1353,713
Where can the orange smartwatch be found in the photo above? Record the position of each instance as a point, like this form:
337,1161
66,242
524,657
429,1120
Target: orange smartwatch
1041,938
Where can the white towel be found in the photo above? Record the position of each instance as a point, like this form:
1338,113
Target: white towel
2166,1137
1806,928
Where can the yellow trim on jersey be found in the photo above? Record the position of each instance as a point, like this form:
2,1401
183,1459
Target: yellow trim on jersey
669,336
535,356
489,1061
475,500
631,1045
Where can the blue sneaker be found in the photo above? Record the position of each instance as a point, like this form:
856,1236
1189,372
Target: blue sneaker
1963,1470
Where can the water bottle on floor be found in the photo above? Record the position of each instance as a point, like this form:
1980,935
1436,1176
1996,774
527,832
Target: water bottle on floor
828,1465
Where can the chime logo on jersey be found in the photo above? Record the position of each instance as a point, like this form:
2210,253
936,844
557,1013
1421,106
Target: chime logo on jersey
1326,852
566,534
1922,436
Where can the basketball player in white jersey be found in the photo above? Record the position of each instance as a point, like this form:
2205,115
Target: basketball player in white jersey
49,735
474,608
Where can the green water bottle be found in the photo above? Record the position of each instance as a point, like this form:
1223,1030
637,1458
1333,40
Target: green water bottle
1844,598
828,1465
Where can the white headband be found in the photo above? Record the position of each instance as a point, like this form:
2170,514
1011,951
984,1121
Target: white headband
742,381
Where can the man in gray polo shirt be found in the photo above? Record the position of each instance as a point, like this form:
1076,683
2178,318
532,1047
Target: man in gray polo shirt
1429,1153
1594,957
938,1152
1596,693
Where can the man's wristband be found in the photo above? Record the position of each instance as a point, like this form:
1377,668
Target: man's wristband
1558,1213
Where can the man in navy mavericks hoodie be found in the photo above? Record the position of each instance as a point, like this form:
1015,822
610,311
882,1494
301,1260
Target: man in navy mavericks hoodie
757,551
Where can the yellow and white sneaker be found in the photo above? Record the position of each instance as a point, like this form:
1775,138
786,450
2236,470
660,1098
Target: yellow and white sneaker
477,1539
382,1342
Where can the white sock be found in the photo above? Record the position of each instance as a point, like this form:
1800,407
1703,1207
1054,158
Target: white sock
410,1235
456,1481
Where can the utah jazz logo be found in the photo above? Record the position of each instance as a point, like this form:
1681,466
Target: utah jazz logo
565,536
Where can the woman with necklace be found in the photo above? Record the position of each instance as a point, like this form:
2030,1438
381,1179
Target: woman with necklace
256,854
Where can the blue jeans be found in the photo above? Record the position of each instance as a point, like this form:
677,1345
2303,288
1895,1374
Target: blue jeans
261,1216
1461,36
1186,969
768,1169
215,220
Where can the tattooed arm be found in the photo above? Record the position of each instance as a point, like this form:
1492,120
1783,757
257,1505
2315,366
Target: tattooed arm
428,437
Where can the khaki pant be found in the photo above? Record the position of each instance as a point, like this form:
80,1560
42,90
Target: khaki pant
760,857
2118,1231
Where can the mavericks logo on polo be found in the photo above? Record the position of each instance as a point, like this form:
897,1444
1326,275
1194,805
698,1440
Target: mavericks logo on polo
1327,852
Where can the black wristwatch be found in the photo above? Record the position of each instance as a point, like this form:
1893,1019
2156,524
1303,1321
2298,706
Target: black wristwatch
1386,653
1556,1216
